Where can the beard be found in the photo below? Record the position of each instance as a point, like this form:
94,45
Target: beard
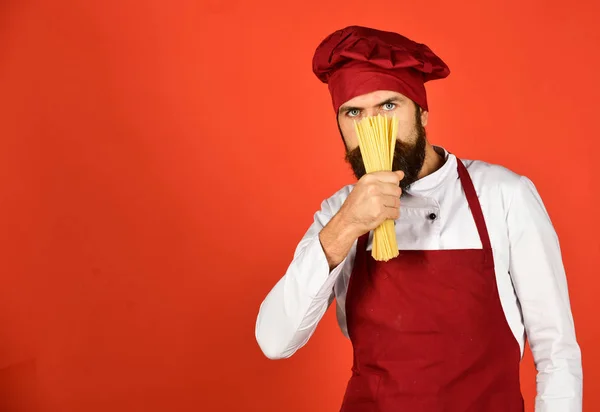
408,157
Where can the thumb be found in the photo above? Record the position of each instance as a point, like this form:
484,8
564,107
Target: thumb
400,174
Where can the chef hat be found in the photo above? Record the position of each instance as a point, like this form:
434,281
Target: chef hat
358,60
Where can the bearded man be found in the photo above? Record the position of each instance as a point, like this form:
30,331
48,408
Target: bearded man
442,326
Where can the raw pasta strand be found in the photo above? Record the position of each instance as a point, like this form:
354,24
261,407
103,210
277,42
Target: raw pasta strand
392,135
386,132
381,146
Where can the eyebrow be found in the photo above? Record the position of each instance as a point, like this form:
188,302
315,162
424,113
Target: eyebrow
394,99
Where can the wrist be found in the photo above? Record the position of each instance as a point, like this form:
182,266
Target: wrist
344,229
336,239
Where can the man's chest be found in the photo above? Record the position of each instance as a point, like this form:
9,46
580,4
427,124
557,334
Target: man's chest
445,221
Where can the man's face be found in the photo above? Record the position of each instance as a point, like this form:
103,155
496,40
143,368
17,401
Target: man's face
411,140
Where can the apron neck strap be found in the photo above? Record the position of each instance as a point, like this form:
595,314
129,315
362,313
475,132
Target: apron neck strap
474,205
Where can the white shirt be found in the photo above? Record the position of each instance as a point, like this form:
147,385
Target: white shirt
529,271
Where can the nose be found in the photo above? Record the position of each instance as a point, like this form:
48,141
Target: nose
372,111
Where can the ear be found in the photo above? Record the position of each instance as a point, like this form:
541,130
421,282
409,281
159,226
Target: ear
424,117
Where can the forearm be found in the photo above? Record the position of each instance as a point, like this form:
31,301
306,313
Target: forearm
337,238
290,313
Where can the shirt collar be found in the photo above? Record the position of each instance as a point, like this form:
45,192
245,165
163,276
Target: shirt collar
427,184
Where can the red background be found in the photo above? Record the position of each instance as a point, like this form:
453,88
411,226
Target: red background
159,161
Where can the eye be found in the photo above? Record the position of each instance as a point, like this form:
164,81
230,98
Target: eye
389,106
353,112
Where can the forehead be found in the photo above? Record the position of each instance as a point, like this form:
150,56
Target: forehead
373,98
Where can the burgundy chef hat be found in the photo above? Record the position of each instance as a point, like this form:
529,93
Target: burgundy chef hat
358,60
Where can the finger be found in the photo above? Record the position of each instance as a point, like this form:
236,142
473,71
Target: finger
390,189
389,177
392,213
391,201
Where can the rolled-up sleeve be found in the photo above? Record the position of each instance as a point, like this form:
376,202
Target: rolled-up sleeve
538,273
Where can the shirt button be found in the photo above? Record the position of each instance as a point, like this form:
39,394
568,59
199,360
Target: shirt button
432,216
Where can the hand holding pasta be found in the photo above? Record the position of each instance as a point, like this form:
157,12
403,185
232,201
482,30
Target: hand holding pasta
374,200
379,187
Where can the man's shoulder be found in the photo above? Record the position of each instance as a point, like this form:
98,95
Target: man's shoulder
489,175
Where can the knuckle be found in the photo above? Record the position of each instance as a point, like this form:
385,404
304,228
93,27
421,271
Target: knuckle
378,210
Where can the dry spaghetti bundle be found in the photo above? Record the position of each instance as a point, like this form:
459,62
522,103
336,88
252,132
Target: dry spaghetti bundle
377,141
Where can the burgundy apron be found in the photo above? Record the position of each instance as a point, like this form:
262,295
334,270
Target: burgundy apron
428,330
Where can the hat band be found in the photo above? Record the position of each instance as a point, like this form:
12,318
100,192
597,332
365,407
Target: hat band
349,82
